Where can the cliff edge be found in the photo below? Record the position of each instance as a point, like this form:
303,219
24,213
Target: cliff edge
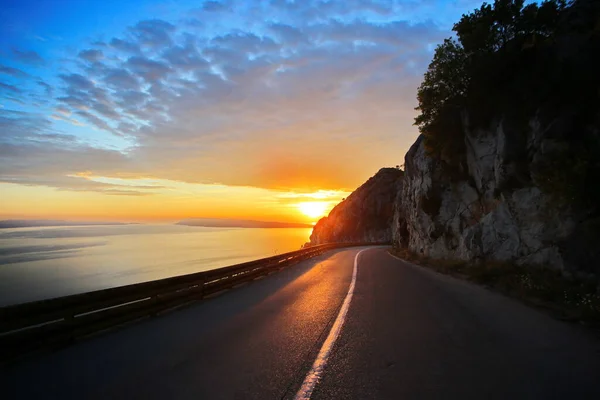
366,215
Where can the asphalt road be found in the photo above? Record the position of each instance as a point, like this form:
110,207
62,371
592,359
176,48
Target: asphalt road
409,334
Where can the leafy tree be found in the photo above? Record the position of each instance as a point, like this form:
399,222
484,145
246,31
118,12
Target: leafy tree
514,61
461,69
444,84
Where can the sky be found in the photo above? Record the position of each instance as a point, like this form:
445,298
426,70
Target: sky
162,110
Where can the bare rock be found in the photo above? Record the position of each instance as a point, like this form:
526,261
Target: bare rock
366,215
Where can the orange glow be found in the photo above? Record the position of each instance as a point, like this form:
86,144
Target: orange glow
313,209
151,200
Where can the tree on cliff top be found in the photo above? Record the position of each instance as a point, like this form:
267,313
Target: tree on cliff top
465,68
516,62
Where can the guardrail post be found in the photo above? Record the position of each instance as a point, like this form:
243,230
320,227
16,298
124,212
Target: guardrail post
69,321
155,308
200,293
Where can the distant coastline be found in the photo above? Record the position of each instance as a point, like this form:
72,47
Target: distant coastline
239,223
33,223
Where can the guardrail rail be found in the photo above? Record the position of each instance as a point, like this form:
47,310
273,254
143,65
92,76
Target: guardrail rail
52,323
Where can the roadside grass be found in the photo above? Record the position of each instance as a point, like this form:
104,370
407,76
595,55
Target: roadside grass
574,299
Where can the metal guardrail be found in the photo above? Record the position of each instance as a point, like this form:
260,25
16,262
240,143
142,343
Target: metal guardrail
57,322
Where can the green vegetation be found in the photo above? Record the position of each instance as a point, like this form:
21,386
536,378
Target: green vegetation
495,48
569,298
513,63
534,69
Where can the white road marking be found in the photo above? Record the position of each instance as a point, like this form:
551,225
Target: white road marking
318,367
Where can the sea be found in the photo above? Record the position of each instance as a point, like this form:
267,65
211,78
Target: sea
47,262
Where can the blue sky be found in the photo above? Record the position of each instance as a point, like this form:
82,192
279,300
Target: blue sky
269,94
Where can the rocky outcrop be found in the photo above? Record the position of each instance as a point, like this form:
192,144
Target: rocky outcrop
366,215
493,206
509,168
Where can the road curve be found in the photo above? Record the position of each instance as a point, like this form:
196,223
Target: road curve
409,334
414,334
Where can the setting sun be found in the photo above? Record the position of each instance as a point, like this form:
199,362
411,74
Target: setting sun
313,209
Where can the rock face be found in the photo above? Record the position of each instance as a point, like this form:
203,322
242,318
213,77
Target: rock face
493,207
515,175
366,215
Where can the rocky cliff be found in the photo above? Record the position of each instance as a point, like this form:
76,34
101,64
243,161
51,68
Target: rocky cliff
489,211
366,215
508,168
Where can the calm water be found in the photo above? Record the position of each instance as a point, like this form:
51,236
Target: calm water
39,263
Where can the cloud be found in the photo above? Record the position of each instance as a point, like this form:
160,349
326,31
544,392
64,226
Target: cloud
18,124
318,10
124,45
32,153
118,192
120,79
91,55
5,87
95,120
186,57
28,57
14,72
66,119
290,95
77,82
288,34
62,110
396,33
153,33
150,70
15,100
73,101
213,6
47,88
245,42
85,96
132,98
